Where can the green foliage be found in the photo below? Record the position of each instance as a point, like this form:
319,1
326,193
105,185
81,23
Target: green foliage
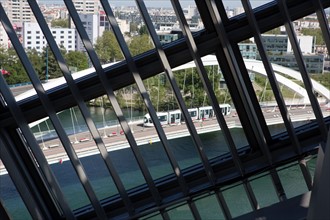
324,79
191,87
63,23
138,102
246,41
134,27
77,59
274,31
50,68
314,32
107,48
11,63
140,44
143,30
37,62
193,92
157,91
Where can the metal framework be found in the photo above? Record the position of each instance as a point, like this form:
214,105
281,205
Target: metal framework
34,178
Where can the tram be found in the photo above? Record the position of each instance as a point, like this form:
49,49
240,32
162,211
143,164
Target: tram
175,117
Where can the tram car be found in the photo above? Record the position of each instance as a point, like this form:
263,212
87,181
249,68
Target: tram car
175,117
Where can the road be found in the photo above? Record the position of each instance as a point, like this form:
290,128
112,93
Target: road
113,140
20,89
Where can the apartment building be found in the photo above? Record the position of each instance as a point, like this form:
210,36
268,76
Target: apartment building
4,40
18,11
279,51
34,39
91,24
86,6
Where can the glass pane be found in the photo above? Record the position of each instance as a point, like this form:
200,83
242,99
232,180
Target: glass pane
209,208
311,164
200,109
236,197
131,24
257,3
292,180
180,212
10,197
154,216
264,191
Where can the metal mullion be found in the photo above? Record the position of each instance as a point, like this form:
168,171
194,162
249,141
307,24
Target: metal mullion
227,49
193,209
49,108
167,69
277,93
302,67
250,194
3,212
35,148
306,173
82,105
233,67
271,76
206,82
277,184
138,80
222,203
207,43
106,85
324,24
22,183
246,79
207,86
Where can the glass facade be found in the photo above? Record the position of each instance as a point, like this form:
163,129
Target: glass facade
204,169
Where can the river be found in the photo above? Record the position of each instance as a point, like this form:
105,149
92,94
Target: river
155,157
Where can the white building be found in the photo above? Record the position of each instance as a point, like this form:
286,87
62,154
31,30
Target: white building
86,6
4,40
124,25
190,11
18,11
91,24
33,37
306,44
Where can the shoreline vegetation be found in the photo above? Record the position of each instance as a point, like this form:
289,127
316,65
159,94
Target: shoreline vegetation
162,96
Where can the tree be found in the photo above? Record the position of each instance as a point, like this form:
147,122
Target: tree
192,87
143,30
274,31
50,67
77,59
63,23
140,44
133,27
37,61
11,63
107,48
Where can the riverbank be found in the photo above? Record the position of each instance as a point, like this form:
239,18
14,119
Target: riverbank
114,138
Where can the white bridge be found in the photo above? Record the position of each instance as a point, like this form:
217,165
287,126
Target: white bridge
254,66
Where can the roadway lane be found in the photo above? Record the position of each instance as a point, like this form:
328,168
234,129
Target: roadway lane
144,135
84,145
20,89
